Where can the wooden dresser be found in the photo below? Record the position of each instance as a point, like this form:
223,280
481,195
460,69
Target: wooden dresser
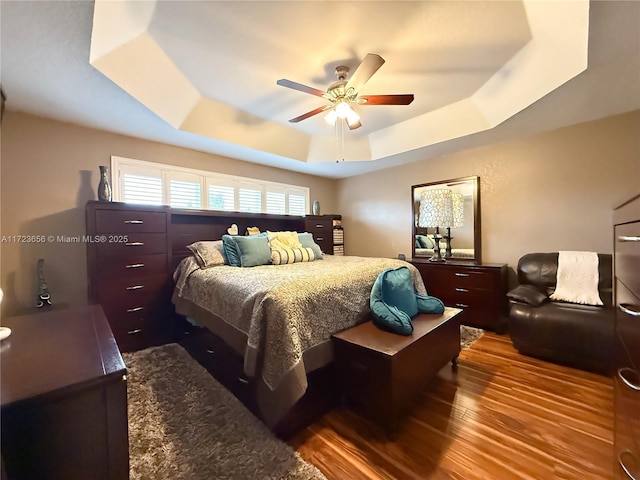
479,289
64,397
128,259
626,219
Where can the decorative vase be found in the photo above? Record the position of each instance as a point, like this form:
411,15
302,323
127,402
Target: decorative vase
316,207
104,189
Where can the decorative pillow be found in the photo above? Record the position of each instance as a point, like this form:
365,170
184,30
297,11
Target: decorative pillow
425,241
279,240
306,239
253,250
253,231
394,302
281,256
231,250
528,294
208,253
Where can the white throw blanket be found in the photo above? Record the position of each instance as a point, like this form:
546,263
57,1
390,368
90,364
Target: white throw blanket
577,279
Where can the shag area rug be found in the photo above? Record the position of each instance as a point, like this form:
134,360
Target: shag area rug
184,425
469,335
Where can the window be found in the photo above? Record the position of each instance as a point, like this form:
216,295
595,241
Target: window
149,183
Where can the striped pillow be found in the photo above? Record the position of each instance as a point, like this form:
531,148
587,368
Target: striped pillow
281,256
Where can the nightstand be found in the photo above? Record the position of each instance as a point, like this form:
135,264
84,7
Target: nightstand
479,289
64,397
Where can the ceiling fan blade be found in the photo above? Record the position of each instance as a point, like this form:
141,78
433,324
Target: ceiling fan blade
310,114
283,82
370,65
385,99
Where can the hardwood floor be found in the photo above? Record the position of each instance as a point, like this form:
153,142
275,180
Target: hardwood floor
502,415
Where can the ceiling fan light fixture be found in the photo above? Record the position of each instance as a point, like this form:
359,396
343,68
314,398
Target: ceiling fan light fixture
352,118
331,117
343,109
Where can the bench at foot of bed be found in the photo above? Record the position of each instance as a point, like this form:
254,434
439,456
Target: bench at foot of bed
380,373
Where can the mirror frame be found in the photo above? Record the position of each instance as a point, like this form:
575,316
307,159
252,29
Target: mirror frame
477,250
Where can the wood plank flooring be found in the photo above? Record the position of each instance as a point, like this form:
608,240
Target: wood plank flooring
502,415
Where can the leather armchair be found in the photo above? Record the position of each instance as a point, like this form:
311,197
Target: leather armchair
573,334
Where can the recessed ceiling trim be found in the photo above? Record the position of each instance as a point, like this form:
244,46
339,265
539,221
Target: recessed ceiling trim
123,48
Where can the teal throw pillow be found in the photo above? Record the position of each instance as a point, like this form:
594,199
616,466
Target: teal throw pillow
230,250
254,250
306,239
393,301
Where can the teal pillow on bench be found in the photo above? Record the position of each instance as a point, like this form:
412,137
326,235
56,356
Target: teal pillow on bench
394,302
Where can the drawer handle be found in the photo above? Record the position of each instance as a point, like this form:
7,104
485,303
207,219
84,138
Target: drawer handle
135,309
622,465
629,238
135,222
133,332
319,239
461,290
319,225
135,287
629,310
462,305
629,382
461,274
134,265
134,244
210,351
243,380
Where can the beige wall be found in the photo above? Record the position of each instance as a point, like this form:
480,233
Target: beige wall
549,192
553,191
49,170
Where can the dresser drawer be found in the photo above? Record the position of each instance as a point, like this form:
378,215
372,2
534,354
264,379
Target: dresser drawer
462,277
130,221
627,258
627,422
628,322
123,295
469,298
132,265
134,243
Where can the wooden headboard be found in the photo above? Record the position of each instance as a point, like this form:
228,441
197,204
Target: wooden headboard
188,226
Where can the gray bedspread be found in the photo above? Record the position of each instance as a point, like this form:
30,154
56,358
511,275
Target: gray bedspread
284,314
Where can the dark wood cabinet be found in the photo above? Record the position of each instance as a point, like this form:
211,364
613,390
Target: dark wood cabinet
128,259
327,232
479,289
64,397
627,377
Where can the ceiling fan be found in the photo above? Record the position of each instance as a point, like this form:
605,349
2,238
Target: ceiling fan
343,94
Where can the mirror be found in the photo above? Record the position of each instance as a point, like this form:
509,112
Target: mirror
454,203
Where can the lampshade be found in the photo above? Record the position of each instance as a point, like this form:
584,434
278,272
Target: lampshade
458,210
342,110
436,208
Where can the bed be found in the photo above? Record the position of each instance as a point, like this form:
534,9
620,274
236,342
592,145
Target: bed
280,317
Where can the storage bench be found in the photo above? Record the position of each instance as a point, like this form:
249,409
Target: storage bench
380,373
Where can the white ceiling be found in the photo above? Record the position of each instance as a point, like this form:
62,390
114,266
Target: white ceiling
232,53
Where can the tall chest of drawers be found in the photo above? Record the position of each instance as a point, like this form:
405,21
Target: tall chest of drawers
128,256
478,289
627,378
329,239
